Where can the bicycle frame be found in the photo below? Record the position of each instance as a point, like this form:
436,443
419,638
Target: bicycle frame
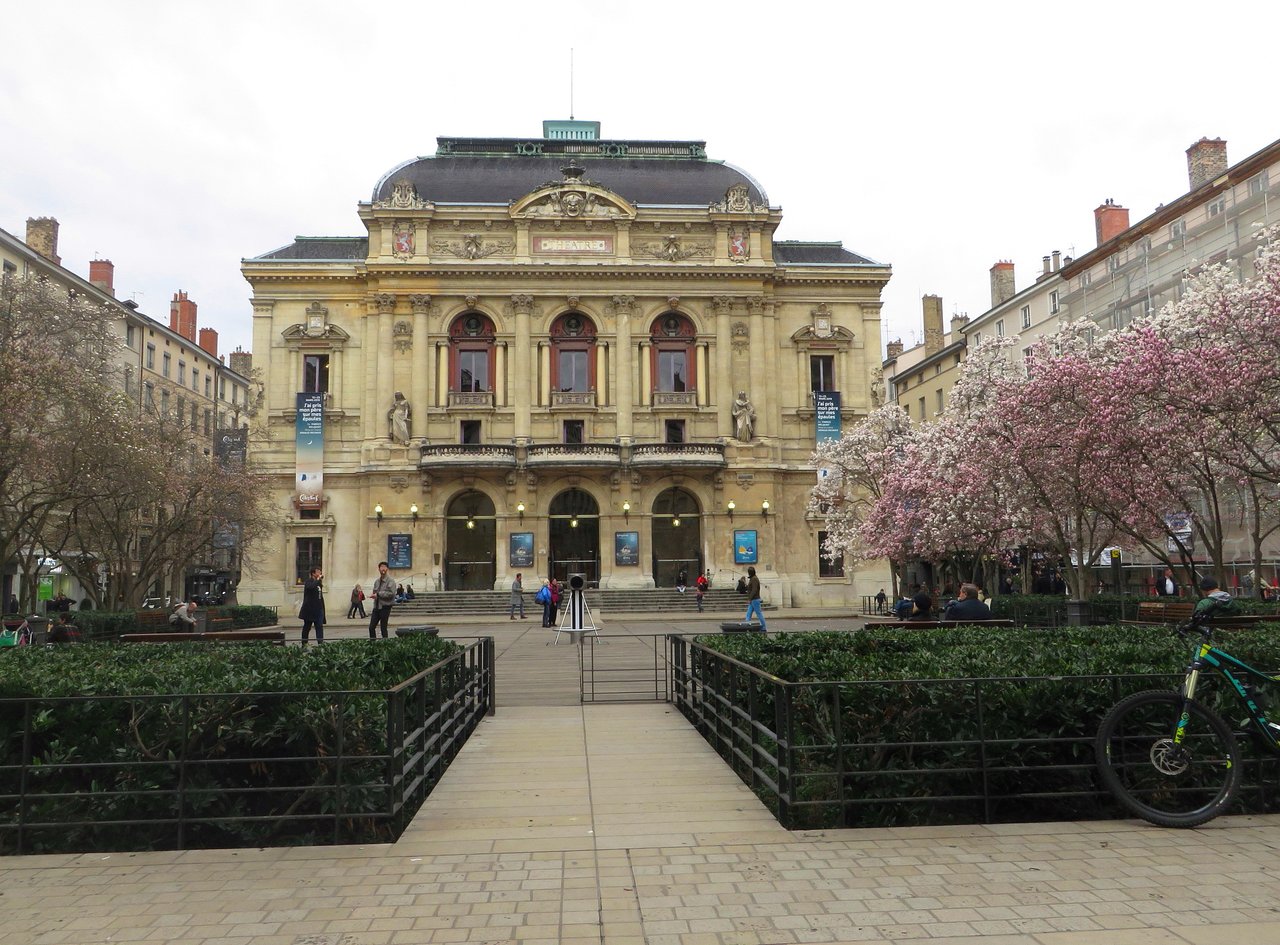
1233,670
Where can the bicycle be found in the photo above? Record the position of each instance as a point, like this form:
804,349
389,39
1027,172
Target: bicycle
1172,760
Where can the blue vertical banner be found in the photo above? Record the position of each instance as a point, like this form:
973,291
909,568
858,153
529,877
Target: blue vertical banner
309,447
826,407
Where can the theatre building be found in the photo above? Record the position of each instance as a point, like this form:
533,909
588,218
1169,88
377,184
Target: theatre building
559,355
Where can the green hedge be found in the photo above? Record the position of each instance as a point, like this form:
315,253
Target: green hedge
1050,610
903,750
113,759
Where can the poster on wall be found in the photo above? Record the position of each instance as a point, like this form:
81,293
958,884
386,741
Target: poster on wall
626,548
400,551
826,407
309,449
744,546
521,555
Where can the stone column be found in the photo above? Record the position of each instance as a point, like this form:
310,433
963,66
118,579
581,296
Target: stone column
442,374
371,368
544,378
500,374
602,374
759,392
723,400
704,381
646,374
386,364
420,385
624,396
522,365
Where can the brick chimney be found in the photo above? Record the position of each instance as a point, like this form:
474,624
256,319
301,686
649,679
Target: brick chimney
893,349
241,362
1002,287
102,273
182,316
42,236
1110,220
209,341
1206,160
932,324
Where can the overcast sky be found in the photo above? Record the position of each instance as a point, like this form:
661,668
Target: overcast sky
176,138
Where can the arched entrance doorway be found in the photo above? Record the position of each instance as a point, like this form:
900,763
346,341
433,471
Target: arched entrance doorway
575,536
676,537
470,537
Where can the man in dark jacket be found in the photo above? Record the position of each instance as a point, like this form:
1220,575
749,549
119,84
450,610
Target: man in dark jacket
968,607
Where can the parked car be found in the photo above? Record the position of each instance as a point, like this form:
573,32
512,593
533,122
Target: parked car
211,599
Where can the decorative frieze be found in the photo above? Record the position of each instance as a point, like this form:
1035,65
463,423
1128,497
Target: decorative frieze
474,246
673,248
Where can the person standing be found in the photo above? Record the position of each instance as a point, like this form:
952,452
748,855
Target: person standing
753,599
312,610
700,590
384,595
543,597
1166,586
554,587
881,600
357,602
517,596
13,604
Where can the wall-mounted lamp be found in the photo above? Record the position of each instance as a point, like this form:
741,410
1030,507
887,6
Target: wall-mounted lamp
413,510
471,523
520,509
764,508
377,510
731,506
675,522
573,523
626,511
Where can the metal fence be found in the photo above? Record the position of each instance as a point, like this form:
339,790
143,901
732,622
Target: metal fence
896,752
192,770
624,668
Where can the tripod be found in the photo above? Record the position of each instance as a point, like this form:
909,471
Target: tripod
577,613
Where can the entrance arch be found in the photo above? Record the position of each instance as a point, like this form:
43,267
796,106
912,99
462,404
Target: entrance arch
470,538
574,519
676,536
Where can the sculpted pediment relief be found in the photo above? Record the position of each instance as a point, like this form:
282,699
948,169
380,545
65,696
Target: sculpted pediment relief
832,334
574,198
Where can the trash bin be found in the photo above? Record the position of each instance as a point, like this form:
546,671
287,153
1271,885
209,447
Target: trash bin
415,630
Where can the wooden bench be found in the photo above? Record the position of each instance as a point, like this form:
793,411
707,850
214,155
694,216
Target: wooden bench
1158,611
151,620
934,624
213,636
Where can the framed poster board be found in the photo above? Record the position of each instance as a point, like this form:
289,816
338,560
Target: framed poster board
521,551
744,546
400,551
626,548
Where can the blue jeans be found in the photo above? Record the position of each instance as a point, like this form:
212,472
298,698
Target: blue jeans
753,607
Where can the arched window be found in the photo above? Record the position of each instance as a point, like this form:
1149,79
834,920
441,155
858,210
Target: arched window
573,362
673,362
471,353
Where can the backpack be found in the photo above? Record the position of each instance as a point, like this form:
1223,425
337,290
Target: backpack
543,596
742,585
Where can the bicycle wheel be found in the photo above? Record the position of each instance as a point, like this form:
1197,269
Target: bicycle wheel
1166,784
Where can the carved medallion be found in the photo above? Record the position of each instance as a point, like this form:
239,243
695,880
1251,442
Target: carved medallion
739,244
402,333
404,196
403,241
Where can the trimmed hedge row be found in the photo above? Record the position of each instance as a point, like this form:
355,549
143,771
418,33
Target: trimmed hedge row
234,763
965,724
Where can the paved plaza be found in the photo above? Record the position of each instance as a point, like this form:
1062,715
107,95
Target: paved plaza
617,824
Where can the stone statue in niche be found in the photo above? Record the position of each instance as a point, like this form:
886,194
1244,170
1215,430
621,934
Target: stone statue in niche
744,418
398,419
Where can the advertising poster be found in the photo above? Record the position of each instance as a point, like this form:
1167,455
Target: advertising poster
309,447
400,551
521,555
744,546
826,406
626,548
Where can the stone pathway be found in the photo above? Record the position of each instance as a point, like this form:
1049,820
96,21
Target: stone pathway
617,825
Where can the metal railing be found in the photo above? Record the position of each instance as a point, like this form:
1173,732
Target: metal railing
857,752
185,775
625,668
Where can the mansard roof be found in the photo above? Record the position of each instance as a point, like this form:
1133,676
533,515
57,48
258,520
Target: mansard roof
322,249
800,253
500,170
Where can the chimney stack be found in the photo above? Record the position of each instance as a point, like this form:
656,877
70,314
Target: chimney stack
42,236
209,341
241,362
1045,271
893,349
932,324
1206,160
1002,287
182,316
1057,260
102,273
957,325
1110,220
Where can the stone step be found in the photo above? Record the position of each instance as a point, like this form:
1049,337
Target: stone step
640,600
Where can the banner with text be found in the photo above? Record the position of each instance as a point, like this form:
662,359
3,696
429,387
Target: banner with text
309,446
826,406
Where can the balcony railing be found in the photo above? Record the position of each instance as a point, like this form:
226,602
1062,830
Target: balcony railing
468,454
678,399
575,454
476,400
677,454
576,399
